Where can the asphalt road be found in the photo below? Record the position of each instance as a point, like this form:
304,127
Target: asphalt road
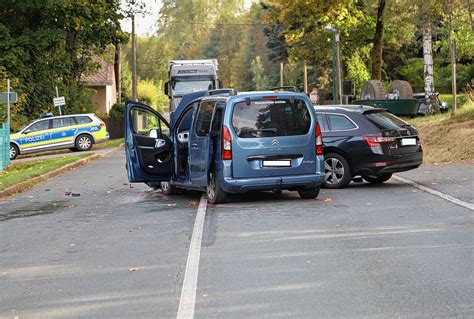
391,251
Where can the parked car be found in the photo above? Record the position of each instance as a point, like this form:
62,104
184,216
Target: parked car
227,143
77,132
365,141
423,107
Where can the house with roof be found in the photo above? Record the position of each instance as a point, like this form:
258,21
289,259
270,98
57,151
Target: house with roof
103,82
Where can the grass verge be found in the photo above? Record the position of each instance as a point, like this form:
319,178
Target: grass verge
17,173
107,144
447,138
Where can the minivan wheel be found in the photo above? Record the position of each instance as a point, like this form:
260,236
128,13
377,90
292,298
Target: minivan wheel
309,193
13,151
337,170
84,142
215,194
167,188
377,179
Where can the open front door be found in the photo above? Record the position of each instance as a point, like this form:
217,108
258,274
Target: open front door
148,146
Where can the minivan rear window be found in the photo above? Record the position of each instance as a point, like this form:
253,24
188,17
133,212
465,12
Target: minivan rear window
385,120
266,118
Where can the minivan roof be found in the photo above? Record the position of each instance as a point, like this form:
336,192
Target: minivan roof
348,108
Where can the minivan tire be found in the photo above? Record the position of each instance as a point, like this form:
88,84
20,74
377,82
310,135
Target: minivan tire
309,193
340,170
13,151
167,188
377,179
215,194
84,142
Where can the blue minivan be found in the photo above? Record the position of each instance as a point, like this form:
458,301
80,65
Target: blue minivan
227,143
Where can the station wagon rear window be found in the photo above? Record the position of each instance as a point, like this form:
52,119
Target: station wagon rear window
267,118
385,120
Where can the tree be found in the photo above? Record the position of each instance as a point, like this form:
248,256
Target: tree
50,42
378,42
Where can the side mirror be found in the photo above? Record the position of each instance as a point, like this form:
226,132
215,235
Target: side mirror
27,132
166,88
153,133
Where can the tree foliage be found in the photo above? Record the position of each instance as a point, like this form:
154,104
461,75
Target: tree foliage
48,43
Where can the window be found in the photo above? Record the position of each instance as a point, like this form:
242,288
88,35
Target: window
385,120
203,120
62,122
83,119
322,123
187,118
268,118
144,122
340,122
39,126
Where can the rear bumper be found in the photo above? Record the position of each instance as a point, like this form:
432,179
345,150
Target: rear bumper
243,185
103,139
392,164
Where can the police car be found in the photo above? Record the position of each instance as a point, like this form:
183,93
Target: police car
77,132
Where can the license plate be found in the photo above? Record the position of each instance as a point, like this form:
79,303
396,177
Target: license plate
408,141
282,163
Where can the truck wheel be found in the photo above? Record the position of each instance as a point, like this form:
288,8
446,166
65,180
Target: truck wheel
377,179
84,142
309,193
373,90
215,194
13,151
401,88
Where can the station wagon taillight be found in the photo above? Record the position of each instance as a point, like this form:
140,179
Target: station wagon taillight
226,144
377,140
319,140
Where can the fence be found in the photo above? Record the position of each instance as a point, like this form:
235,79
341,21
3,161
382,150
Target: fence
4,146
115,127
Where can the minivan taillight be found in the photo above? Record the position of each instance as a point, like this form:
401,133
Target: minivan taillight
377,140
319,140
226,144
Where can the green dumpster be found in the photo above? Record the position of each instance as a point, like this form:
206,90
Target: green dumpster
397,107
4,146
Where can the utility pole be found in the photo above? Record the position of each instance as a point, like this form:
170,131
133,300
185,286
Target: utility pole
8,101
453,77
57,95
281,74
338,66
134,61
305,77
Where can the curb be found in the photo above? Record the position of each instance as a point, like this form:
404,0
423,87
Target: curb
23,186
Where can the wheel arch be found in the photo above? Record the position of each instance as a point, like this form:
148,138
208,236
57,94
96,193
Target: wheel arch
17,145
344,154
84,133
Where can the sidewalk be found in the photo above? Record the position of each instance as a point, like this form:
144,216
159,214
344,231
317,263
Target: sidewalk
456,179
41,157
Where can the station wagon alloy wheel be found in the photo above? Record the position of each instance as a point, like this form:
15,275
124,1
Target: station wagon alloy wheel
84,143
13,152
337,171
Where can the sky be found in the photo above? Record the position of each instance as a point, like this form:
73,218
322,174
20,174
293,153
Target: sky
146,24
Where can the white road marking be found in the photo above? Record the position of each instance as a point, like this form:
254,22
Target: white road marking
187,301
436,193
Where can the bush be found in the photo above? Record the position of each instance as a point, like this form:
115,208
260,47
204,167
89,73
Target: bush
117,111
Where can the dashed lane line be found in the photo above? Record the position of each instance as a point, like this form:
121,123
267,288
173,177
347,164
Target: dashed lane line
436,193
187,301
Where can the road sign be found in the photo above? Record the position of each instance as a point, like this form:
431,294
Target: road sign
58,101
13,97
